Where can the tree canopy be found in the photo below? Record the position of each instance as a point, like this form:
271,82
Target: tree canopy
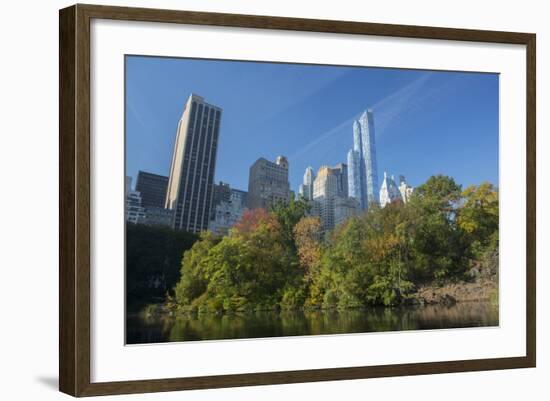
281,259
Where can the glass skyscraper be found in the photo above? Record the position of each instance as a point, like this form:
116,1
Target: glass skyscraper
363,172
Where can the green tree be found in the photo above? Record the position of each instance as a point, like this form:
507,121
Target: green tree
153,260
289,214
478,216
388,240
345,273
194,274
248,269
439,246
440,193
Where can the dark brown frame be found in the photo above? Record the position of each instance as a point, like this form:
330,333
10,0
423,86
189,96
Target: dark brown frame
74,199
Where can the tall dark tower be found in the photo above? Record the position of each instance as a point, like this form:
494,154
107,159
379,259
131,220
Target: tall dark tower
152,188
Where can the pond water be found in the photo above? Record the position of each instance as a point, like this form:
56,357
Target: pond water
194,327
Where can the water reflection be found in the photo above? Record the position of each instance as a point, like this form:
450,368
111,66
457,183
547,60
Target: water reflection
142,330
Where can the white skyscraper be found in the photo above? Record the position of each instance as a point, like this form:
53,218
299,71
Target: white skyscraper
306,189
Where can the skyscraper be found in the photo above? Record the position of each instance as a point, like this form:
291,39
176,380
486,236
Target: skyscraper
324,190
330,194
306,189
363,172
341,172
152,188
220,193
369,155
344,208
356,163
268,183
135,213
193,164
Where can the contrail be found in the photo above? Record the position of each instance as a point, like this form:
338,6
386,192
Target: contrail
397,100
394,105
411,101
136,115
324,137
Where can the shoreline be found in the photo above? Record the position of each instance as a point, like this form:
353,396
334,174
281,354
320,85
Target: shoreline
482,290
479,291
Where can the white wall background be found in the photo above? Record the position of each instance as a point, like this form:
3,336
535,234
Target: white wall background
29,185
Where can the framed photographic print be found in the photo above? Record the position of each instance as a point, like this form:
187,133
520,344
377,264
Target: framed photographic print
250,200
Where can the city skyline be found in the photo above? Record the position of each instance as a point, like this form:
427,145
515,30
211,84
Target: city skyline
323,145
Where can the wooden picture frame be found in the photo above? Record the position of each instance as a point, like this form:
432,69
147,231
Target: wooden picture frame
74,203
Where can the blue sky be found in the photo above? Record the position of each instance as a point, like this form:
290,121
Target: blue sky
426,122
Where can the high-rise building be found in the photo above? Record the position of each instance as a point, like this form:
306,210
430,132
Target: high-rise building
191,178
341,172
355,186
228,212
242,196
127,185
324,191
328,190
220,193
158,216
268,183
369,154
152,188
306,188
344,208
135,212
356,163
363,171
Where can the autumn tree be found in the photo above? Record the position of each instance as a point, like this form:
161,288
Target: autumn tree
254,218
307,234
282,258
